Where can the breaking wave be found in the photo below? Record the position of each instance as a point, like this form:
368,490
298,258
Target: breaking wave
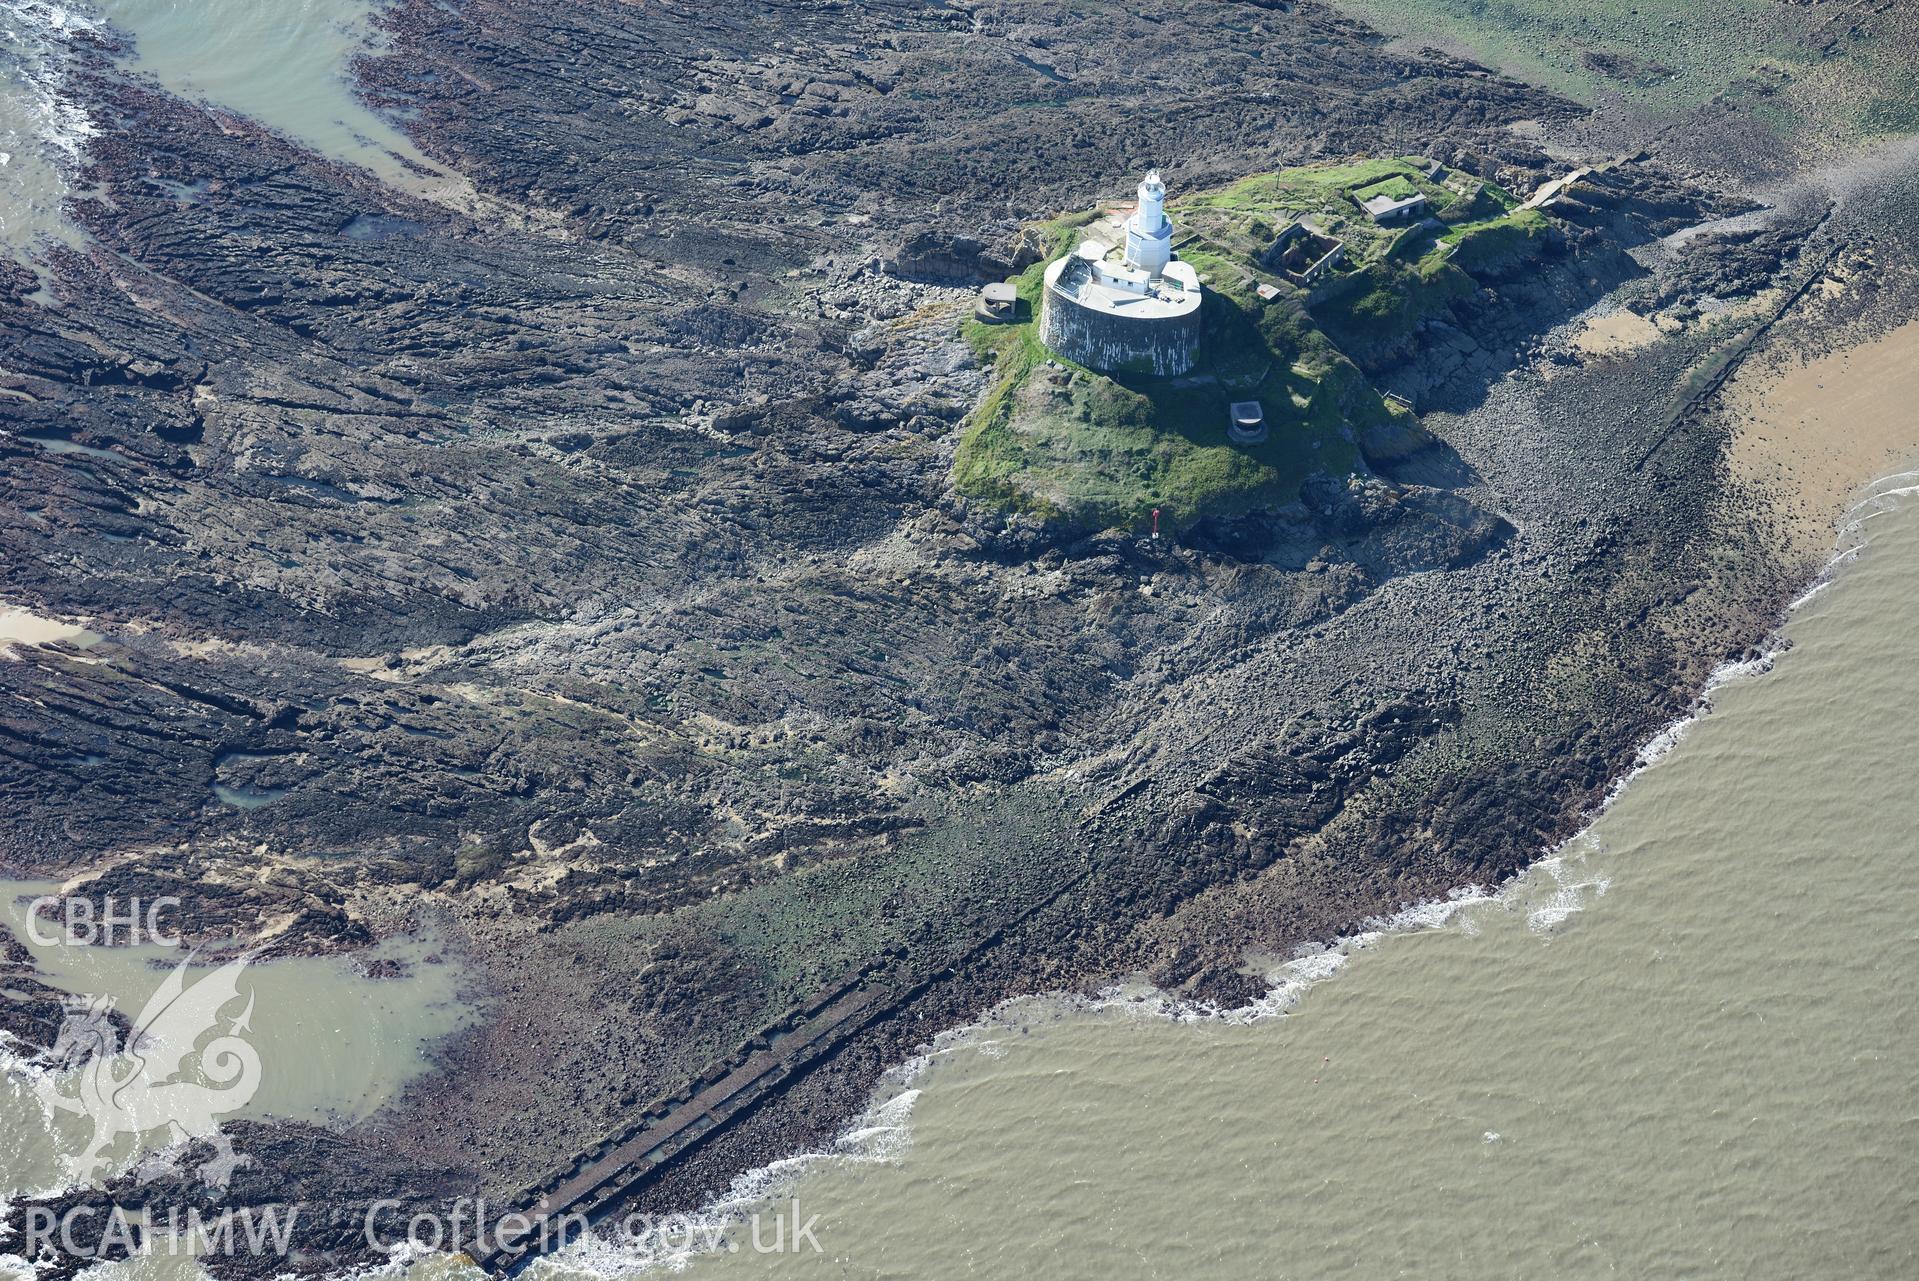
26,1144
880,1134
43,132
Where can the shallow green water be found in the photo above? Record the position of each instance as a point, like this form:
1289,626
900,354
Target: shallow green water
333,1045
1685,1047
284,63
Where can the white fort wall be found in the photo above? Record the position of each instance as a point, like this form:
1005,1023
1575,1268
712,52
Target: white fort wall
1117,340
1137,314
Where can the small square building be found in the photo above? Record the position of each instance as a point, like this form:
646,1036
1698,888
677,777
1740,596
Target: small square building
1386,208
998,304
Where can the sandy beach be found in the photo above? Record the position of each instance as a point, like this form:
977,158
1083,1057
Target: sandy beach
1820,429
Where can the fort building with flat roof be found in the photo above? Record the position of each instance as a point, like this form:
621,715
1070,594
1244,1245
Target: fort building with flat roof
1130,310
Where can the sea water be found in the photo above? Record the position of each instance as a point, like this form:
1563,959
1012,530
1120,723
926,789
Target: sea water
1682,1046
42,129
286,64
333,1044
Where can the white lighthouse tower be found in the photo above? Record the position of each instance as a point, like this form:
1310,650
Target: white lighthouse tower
1136,311
1149,233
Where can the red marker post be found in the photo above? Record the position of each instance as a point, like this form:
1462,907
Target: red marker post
1155,524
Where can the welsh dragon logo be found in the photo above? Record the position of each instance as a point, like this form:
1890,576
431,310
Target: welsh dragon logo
162,1087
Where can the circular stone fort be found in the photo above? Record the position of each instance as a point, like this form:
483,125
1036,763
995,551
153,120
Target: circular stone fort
1133,311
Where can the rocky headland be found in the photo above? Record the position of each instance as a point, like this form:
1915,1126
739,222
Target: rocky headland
579,568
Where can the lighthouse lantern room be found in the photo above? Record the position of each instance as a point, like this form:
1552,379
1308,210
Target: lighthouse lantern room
1149,233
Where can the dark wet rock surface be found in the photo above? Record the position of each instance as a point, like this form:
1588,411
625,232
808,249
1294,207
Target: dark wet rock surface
579,571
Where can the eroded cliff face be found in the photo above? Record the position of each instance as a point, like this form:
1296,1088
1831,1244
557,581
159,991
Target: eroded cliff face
580,571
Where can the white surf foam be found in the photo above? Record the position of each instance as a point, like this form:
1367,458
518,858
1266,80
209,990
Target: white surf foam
1880,497
24,1125
880,1134
43,131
